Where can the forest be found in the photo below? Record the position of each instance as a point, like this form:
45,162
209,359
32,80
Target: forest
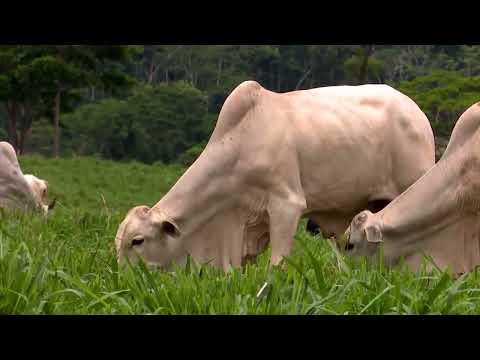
159,103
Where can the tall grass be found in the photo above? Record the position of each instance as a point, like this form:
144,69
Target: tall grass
66,265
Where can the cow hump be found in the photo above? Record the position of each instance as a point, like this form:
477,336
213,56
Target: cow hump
238,104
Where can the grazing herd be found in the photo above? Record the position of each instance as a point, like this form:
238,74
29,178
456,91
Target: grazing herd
272,159
357,161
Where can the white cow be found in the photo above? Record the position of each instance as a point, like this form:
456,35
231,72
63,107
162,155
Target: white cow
438,216
19,191
324,153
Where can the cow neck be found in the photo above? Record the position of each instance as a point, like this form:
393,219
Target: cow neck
203,190
425,207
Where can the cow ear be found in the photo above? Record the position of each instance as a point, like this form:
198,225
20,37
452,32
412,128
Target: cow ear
170,228
166,224
373,234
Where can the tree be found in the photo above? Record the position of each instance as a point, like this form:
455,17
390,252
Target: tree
58,70
405,62
157,59
30,91
362,64
443,96
471,60
10,90
22,100
156,123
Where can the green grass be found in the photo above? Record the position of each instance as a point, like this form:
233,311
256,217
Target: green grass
66,265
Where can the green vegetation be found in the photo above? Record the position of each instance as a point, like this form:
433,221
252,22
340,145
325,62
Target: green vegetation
154,103
155,124
66,265
44,80
443,96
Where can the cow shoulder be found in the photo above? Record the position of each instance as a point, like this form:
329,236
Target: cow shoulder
239,103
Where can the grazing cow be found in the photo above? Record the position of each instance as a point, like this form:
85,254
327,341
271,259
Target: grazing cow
324,153
438,216
18,191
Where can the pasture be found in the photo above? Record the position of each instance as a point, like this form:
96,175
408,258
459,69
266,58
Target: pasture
67,265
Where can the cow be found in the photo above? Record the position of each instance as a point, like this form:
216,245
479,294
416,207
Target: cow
18,191
273,158
437,218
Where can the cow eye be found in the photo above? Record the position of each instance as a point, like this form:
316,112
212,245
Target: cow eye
137,242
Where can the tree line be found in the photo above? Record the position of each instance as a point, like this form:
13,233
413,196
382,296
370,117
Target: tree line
159,103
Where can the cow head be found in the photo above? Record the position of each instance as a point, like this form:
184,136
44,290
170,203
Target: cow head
151,235
40,191
364,235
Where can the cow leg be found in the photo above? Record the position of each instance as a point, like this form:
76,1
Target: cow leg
284,218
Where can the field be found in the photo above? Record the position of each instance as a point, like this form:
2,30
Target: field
66,265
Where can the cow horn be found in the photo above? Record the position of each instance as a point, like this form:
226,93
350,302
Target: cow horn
52,204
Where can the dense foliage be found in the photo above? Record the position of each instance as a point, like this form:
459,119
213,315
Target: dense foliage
154,125
443,96
159,102
43,80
